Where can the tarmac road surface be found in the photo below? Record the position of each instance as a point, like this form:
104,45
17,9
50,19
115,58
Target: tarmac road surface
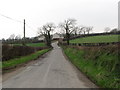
52,71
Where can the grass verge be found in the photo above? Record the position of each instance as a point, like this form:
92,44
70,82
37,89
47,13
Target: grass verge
23,59
100,66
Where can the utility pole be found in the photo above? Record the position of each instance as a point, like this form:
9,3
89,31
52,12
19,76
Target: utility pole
24,33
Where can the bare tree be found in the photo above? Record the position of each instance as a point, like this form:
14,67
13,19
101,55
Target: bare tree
115,30
3,40
69,26
45,30
88,29
12,37
107,29
18,37
75,30
81,30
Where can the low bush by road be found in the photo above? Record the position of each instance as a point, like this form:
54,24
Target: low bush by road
10,52
17,61
14,51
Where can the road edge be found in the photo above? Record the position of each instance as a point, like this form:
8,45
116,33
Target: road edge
77,69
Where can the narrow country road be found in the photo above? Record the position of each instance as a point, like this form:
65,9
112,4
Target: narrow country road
52,71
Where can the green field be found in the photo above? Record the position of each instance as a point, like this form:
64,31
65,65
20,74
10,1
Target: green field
97,39
34,44
23,59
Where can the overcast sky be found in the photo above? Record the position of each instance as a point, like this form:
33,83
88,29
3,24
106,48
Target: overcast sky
96,13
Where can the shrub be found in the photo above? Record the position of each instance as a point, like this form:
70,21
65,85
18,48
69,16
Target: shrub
10,52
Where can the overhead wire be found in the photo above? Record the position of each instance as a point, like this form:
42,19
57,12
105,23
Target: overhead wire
15,20
10,18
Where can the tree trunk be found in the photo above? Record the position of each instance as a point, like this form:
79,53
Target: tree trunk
67,37
49,39
88,32
84,32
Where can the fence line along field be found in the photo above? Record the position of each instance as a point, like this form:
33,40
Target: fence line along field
97,39
33,44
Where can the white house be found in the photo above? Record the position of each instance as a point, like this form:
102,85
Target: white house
42,37
56,36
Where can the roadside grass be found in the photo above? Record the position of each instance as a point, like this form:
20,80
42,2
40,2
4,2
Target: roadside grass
101,69
33,44
96,39
23,59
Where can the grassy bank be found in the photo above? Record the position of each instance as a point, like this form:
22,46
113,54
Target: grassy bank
97,39
23,59
101,65
33,44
